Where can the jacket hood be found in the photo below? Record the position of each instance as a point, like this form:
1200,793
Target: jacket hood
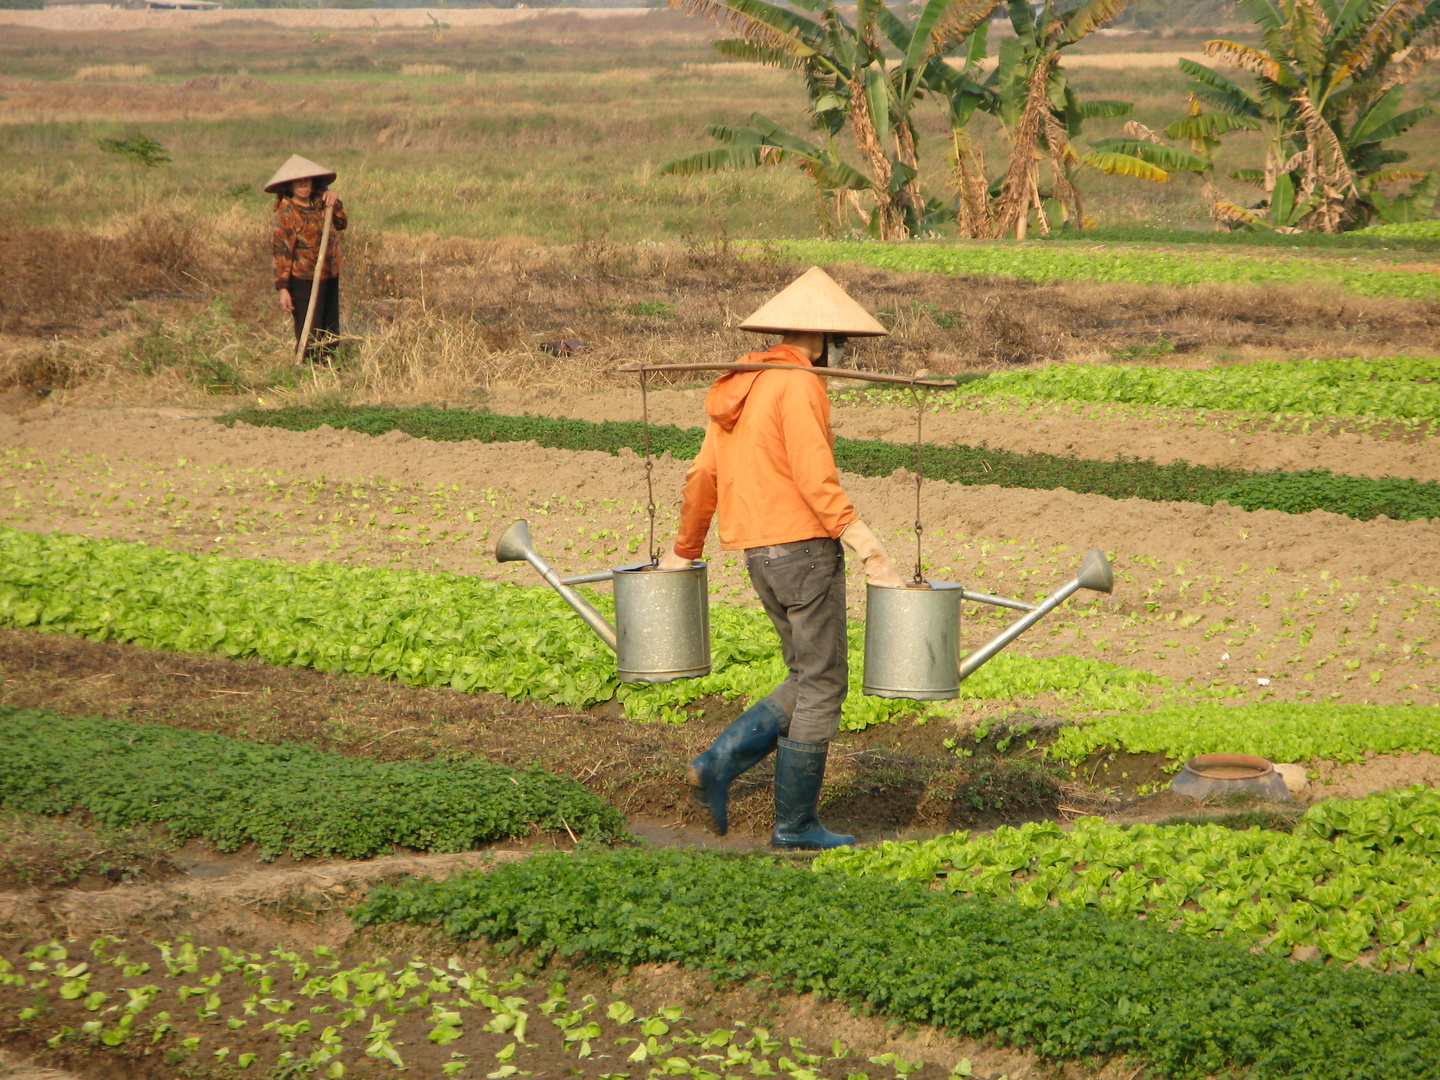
726,399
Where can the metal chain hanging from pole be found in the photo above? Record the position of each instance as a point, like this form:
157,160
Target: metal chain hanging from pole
919,477
649,467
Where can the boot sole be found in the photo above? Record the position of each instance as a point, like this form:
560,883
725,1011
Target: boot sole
697,789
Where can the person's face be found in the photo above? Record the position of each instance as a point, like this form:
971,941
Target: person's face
301,188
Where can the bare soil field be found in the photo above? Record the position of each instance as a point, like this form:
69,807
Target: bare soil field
1206,592
1084,431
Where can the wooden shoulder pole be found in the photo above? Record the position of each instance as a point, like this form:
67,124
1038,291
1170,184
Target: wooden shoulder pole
918,379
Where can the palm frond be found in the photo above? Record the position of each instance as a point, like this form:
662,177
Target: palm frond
1262,12
719,160
1114,164
1381,36
1209,125
755,53
1088,17
1102,109
1229,212
1400,123
1244,57
1165,157
1225,94
1308,30
1254,177
1135,130
1396,176
1410,61
755,21
957,22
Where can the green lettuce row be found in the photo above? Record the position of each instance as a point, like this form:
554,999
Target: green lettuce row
1407,230
1327,731
1398,388
1355,875
282,798
1056,262
1067,982
1123,478
435,629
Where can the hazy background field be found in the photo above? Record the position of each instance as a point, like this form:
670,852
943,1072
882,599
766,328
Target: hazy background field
547,129
504,187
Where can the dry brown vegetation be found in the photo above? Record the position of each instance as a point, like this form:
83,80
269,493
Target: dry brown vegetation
169,305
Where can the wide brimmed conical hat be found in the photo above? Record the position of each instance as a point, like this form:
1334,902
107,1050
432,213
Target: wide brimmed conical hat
298,168
814,303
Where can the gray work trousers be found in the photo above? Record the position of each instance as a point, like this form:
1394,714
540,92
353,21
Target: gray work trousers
802,586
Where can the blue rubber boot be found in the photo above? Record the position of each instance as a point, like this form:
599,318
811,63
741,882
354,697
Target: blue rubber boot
799,772
750,736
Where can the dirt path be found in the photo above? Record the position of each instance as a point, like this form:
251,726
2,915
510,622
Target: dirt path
1315,603
247,902
1096,432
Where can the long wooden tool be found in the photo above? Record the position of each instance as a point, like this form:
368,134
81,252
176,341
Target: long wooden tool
315,286
828,373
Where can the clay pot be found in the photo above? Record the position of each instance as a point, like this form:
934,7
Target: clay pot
1218,774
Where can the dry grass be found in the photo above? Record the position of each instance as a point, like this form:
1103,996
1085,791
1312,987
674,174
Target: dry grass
115,72
174,305
426,69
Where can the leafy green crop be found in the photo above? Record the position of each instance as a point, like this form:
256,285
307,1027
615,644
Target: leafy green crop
292,1014
1145,266
1355,874
1124,478
283,798
1067,982
1327,731
434,629
1428,229
1403,387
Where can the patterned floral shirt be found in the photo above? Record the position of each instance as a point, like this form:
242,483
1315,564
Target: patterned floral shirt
296,241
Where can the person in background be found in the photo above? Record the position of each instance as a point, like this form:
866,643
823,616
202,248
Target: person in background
768,467
301,190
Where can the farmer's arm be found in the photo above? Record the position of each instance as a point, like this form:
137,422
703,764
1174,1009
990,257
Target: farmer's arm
339,221
698,506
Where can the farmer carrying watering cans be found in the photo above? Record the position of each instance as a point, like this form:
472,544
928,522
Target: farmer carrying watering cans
302,197
767,466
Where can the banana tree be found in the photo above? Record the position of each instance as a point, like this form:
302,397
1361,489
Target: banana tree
1031,97
1329,83
851,84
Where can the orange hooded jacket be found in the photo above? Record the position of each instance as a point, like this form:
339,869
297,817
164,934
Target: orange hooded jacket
766,463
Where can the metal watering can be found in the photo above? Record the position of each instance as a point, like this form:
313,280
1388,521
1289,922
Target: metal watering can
662,617
912,633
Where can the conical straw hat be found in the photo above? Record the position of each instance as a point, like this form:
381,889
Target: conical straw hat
298,168
813,302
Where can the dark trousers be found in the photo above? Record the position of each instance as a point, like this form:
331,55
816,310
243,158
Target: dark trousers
802,587
326,327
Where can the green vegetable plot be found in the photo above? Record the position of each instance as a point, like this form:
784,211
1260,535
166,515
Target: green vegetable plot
1076,261
1326,731
1399,388
1356,874
1067,982
284,798
290,1014
1294,493
434,629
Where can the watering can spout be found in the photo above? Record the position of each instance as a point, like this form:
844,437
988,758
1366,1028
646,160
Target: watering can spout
1094,574
514,545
